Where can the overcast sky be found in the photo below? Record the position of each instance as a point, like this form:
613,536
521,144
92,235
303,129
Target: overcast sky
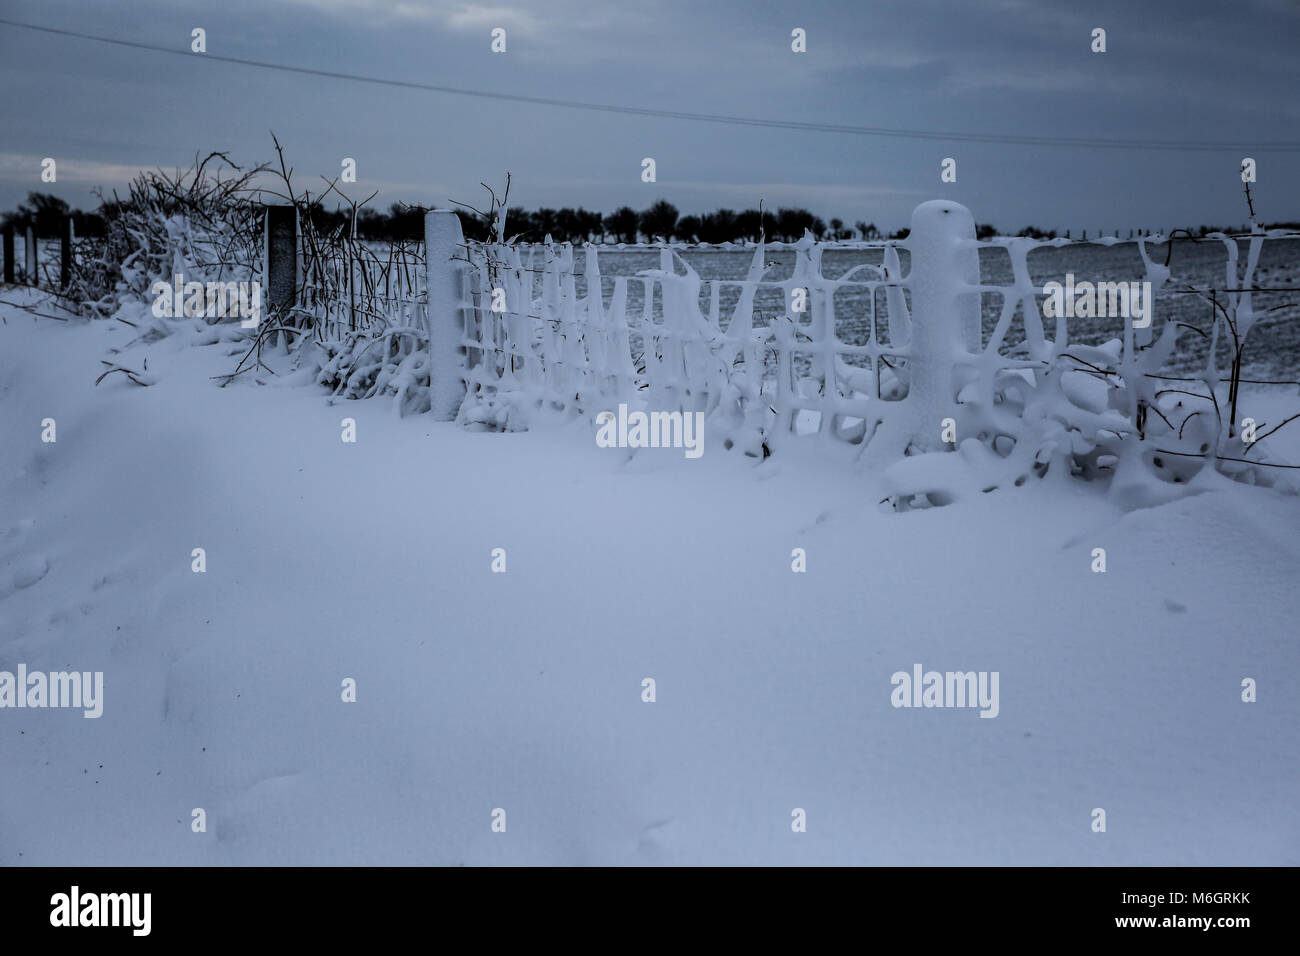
1191,70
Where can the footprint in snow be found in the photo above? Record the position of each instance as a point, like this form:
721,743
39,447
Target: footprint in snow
651,845
29,570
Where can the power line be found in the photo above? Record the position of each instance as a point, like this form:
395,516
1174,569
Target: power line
1010,139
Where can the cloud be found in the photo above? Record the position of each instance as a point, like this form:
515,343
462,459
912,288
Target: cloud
475,16
1053,79
374,12
22,167
461,17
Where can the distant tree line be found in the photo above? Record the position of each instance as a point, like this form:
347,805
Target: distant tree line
45,214
660,221
402,221
663,221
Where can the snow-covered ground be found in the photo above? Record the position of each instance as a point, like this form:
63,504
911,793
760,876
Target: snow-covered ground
523,691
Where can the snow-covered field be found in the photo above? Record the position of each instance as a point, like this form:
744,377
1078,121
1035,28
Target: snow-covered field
523,690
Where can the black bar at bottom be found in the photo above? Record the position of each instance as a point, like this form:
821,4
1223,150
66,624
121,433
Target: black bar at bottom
976,907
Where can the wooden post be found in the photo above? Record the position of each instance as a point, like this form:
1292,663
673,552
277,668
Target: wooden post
9,253
65,254
444,255
29,254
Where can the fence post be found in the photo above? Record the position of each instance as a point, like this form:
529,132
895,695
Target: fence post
945,320
29,254
9,253
65,254
444,256
281,259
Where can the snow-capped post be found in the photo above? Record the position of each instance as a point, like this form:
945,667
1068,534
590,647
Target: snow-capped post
281,258
9,252
945,320
29,249
65,254
445,261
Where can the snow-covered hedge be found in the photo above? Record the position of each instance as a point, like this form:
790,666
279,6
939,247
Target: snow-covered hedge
365,365
201,223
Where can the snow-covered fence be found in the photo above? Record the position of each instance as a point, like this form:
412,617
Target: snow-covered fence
40,256
757,383
538,349
504,336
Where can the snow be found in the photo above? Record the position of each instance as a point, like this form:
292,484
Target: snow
475,690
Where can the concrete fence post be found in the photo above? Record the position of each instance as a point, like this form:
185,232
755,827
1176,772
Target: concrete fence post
445,304
65,254
945,319
281,273
29,250
9,253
